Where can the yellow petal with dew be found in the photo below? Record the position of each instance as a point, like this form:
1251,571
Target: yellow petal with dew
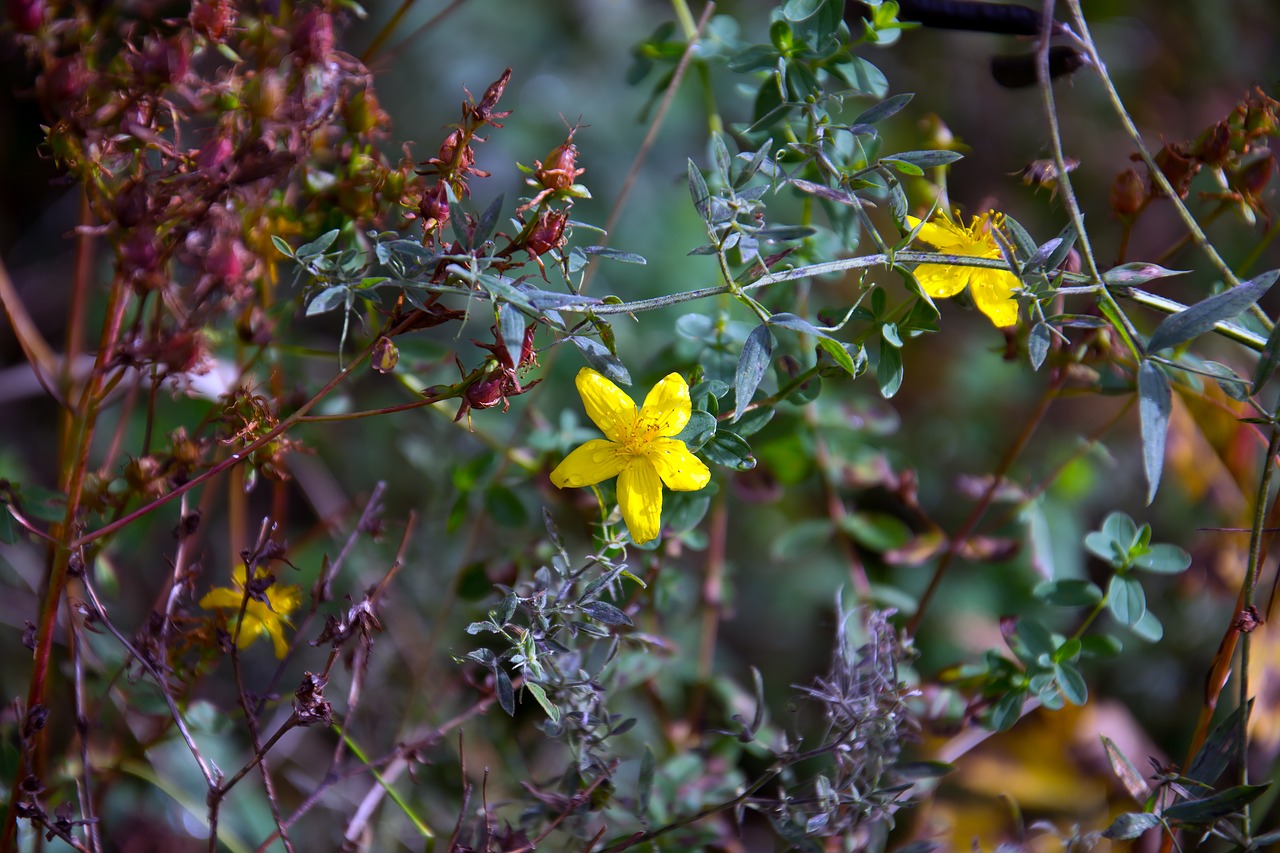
607,405
679,469
666,407
640,498
992,292
941,281
593,462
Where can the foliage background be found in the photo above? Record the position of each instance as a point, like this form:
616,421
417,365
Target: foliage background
1180,66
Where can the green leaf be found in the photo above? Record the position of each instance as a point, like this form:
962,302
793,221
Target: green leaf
883,110
506,695
701,426
729,449
1018,235
889,370
1231,383
797,324
752,364
839,355
1163,559
924,159
1220,805
1126,599
541,695
327,300
877,531
1138,272
504,507
316,247
1267,363
511,325
1008,710
644,785
1148,628
801,538
1036,638
1201,317
283,247
488,220
602,611
1100,646
1154,404
1068,592
1130,825
1038,344
600,359
699,192
1071,682
1218,749
614,255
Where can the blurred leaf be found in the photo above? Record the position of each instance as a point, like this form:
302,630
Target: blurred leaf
504,507
1201,317
1008,710
1072,683
877,531
1267,363
730,450
541,695
889,370
1212,808
1231,383
1131,825
752,364
506,695
1128,775
929,159
1068,593
1154,404
1218,750
614,255
801,538
1126,599
1038,344
1163,559
1149,628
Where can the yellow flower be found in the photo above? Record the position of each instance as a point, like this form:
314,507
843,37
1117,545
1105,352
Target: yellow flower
992,290
261,618
638,449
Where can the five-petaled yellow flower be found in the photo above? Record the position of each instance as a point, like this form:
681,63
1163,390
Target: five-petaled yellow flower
638,449
261,618
991,289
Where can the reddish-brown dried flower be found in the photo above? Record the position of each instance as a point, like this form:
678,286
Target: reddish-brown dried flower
1128,193
213,18
1178,168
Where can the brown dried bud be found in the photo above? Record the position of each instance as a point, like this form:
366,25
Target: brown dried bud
313,38
212,18
1253,179
1178,168
547,233
385,355
144,475
27,15
484,111
434,208
560,169
1128,193
1215,145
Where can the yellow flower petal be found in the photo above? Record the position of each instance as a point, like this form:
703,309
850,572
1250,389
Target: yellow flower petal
993,293
591,463
607,405
942,234
679,469
940,281
221,597
640,498
667,407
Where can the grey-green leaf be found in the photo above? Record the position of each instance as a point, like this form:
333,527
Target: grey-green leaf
1038,344
1201,317
752,364
1154,403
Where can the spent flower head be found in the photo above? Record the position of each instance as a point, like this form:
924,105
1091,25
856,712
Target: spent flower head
992,290
265,615
638,449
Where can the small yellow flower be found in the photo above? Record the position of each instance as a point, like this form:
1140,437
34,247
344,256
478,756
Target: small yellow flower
638,449
261,618
992,290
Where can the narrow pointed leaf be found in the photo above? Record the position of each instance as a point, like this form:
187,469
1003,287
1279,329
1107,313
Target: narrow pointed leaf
1128,775
1129,826
698,191
1219,748
1038,344
752,364
1154,403
1201,317
1220,805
